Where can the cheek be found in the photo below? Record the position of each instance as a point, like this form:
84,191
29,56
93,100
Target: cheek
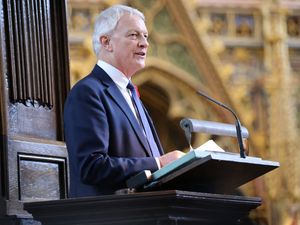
127,54
126,50
129,47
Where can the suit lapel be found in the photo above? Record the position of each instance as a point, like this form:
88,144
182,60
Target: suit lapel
118,98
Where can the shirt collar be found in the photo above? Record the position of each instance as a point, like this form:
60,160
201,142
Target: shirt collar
116,75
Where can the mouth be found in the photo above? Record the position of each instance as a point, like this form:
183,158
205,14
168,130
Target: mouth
143,54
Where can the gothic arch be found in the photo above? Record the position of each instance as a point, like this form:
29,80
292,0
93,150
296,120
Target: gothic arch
169,94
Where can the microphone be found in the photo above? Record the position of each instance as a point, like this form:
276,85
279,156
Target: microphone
237,122
192,125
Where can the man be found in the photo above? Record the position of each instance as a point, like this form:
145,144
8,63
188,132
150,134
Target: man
109,135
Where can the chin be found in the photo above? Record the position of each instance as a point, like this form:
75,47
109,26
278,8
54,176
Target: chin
139,66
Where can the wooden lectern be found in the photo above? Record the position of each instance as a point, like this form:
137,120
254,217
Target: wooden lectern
154,202
146,208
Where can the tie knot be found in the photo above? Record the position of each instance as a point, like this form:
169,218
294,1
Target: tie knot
131,86
133,89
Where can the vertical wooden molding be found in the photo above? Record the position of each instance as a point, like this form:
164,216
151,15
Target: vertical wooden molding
30,71
60,60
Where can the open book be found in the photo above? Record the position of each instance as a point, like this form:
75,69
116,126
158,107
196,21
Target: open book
209,146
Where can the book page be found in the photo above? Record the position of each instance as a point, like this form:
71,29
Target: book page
209,146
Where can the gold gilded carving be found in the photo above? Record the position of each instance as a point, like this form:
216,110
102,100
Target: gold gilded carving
81,17
219,24
244,25
163,24
283,130
260,82
293,26
81,20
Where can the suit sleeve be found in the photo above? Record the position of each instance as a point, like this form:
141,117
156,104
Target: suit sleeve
88,138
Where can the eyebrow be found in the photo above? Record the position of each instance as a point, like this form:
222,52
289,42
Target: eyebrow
137,31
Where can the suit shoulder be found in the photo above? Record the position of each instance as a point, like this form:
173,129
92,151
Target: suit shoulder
89,81
92,82
86,89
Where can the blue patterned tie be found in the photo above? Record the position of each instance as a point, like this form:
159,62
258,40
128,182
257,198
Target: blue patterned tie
143,119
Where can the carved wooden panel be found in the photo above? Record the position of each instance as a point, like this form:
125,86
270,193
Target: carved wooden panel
30,48
34,81
37,171
41,177
36,67
39,122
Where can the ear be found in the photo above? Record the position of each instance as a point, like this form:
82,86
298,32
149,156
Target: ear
105,42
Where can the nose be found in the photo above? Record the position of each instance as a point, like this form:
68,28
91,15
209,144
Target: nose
143,42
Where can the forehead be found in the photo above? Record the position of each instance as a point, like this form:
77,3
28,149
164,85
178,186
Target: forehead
131,22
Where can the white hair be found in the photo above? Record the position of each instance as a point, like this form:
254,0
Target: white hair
107,21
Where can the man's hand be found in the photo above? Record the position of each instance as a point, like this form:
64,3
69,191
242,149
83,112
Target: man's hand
170,157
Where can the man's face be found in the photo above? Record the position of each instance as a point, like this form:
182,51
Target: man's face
129,44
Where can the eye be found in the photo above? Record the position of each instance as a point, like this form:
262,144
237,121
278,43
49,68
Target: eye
133,35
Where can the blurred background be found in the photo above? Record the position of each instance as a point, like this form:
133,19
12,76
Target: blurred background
244,53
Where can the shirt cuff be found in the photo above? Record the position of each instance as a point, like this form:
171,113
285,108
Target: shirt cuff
158,162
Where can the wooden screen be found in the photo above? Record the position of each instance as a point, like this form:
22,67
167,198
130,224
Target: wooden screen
34,81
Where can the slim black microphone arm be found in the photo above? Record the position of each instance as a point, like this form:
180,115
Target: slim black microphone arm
237,123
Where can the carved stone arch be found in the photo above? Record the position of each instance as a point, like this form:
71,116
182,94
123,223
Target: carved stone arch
169,94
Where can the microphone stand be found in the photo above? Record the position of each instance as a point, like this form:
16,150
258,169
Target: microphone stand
237,122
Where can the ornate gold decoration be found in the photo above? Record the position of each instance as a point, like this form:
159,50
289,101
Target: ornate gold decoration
266,100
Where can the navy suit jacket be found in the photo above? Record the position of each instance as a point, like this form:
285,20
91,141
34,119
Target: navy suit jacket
105,143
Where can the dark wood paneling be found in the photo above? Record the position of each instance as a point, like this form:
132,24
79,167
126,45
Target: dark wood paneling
41,177
37,65
30,52
34,81
60,60
32,122
37,171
